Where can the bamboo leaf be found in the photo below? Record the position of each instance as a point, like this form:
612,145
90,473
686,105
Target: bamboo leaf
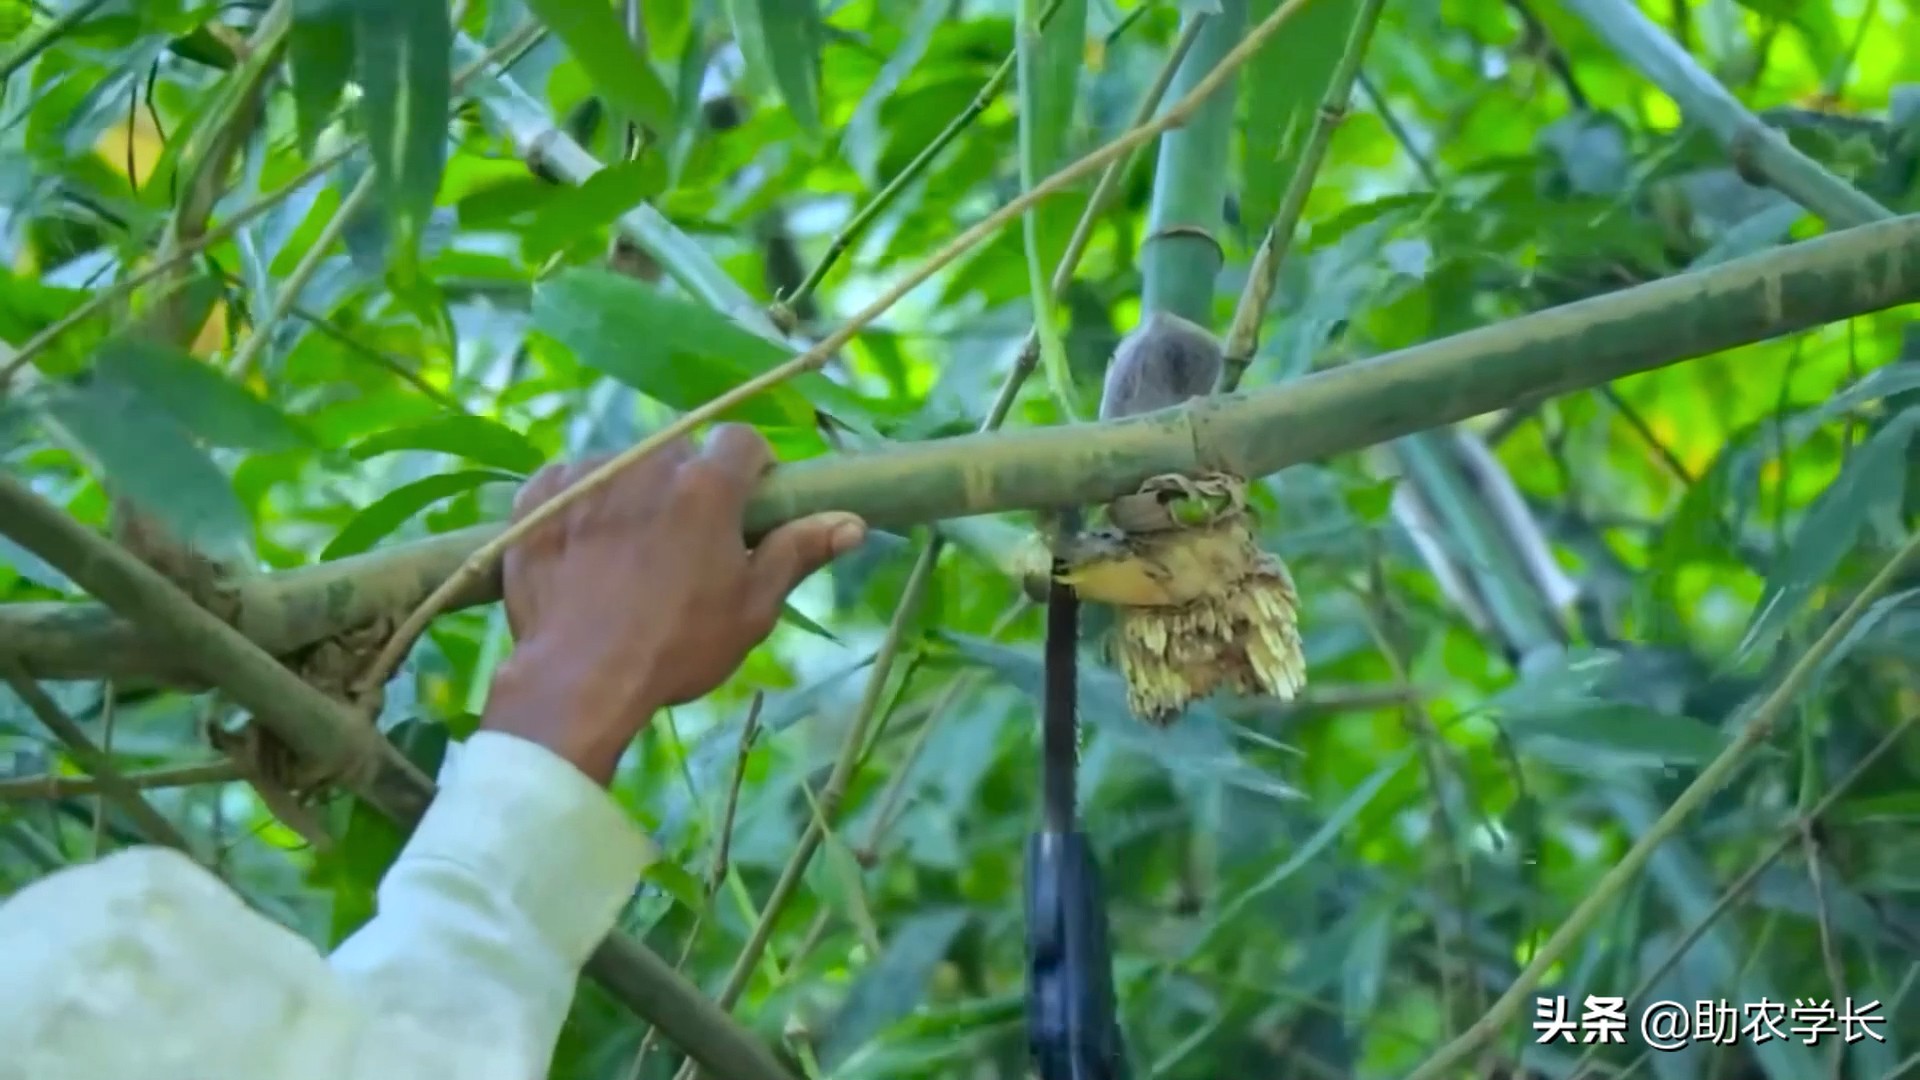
1365,968
1282,88
1048,60
402,53
398,506
1615,733
1863,629
201,399
1357,800
594,205
894,985
472,437
1757,232
864,140
320,56
1047,63
1867,491
780,42
144,456
671,349
594,35
675,880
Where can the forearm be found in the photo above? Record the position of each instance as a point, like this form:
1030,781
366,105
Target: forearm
548,696
145,964
518,871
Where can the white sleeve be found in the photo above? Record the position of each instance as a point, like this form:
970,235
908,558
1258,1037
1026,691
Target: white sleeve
145,965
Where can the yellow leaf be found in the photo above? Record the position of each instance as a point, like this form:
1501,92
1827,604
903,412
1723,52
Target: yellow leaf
213,333
143,134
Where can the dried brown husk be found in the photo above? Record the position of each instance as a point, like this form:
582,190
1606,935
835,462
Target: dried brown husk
1198,608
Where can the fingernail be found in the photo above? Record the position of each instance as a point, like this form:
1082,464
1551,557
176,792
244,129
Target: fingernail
847,535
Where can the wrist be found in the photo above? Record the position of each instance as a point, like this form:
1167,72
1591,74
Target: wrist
547,698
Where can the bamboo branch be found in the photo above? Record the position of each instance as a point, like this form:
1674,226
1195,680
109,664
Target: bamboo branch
288,297
47,35
63,787
851,231
1772,712
1243,336
112,786
717,873
834,790
1251,433
1756,149
329,735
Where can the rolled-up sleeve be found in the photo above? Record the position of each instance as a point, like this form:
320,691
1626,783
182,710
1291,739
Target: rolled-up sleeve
143,964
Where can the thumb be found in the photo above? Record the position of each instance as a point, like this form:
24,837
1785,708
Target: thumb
785,556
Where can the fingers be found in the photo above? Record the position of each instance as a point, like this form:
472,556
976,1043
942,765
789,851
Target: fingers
540,487
741,451
728,469
789,553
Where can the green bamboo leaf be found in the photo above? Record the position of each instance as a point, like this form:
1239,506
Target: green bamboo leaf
596,38
864,140
1281,90
780,42
1756,233
204,401
835,878
1863,630
472,437
1357,800
794,617
144,456
320,56
398,506
594,205
1047,64
1365,967
1615,733
674,350
675,880
1047,61
1867,491
894,985
402,52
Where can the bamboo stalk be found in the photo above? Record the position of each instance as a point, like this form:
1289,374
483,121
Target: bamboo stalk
1181,258
1251,433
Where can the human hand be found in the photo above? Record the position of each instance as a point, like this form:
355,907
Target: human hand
642,594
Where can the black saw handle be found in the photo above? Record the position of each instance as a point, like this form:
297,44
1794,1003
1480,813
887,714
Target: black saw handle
1072,1030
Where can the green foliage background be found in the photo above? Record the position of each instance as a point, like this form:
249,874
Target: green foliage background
1333,888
